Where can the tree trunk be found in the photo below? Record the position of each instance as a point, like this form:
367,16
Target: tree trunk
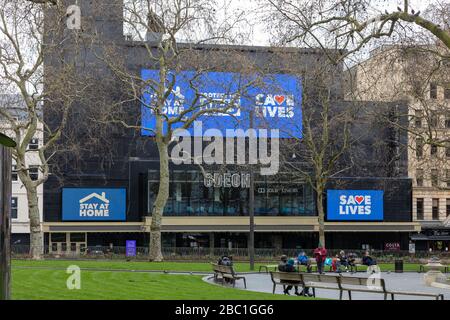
36,238
321,217
155,253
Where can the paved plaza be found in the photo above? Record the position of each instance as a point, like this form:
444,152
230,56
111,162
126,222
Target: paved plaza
408,281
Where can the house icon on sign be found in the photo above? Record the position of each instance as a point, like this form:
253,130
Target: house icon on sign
101,197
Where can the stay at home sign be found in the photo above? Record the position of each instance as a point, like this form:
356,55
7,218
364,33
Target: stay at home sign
94,204
355,205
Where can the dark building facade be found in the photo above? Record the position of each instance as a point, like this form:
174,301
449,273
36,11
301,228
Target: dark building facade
198,215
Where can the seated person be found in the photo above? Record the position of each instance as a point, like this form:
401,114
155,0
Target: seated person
352,261
336,264
328,262
343,260
290,267
367,260
225,261
282,264
302,259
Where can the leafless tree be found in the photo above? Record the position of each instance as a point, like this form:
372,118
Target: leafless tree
174,36
22,80
407,53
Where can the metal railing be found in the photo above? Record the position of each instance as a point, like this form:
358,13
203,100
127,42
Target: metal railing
207,254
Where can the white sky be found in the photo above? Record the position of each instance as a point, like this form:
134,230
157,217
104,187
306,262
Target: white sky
262,38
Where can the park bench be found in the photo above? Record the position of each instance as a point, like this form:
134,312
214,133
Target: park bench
286,279
303,280
361,284
341,283
267,267
321,281
227,272
422,268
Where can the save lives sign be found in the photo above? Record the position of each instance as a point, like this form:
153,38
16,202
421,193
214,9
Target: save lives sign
355,205
94,204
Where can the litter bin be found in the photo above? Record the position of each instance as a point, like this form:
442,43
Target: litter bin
399,266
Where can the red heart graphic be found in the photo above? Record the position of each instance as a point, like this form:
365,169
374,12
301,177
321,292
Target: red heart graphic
279,99
359,199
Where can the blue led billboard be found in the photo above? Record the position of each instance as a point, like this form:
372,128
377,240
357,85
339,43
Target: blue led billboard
355,205
94,204
276,100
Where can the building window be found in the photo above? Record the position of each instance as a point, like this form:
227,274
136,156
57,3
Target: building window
447,93
419,147
419,177
14,173
433,91
34,172
434,150
419,203
418,118
448,178
14,207
435,209
434,120
447,121
434,178
34,144
448,207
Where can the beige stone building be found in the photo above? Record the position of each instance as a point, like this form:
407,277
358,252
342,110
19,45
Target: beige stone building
422,78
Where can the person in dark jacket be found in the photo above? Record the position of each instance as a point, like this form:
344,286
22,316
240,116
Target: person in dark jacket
282,264
225,261
352,261
367,260
290,267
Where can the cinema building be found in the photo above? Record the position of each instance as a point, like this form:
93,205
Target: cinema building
108,200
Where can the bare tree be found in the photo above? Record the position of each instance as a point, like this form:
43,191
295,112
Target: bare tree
351,25
409,54
22,76
326,137
174,36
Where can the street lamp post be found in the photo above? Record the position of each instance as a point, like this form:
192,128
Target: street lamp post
251,212
5,213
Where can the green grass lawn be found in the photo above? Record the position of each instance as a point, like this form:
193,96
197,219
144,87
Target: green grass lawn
46,279
33,283
170,266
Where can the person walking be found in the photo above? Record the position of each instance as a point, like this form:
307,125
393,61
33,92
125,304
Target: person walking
320,254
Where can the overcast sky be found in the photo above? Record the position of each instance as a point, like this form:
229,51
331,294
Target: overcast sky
262,38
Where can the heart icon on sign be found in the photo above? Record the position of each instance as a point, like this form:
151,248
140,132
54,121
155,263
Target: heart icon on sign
359,199
279,99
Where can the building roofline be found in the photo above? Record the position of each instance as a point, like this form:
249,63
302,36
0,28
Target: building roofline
230,47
